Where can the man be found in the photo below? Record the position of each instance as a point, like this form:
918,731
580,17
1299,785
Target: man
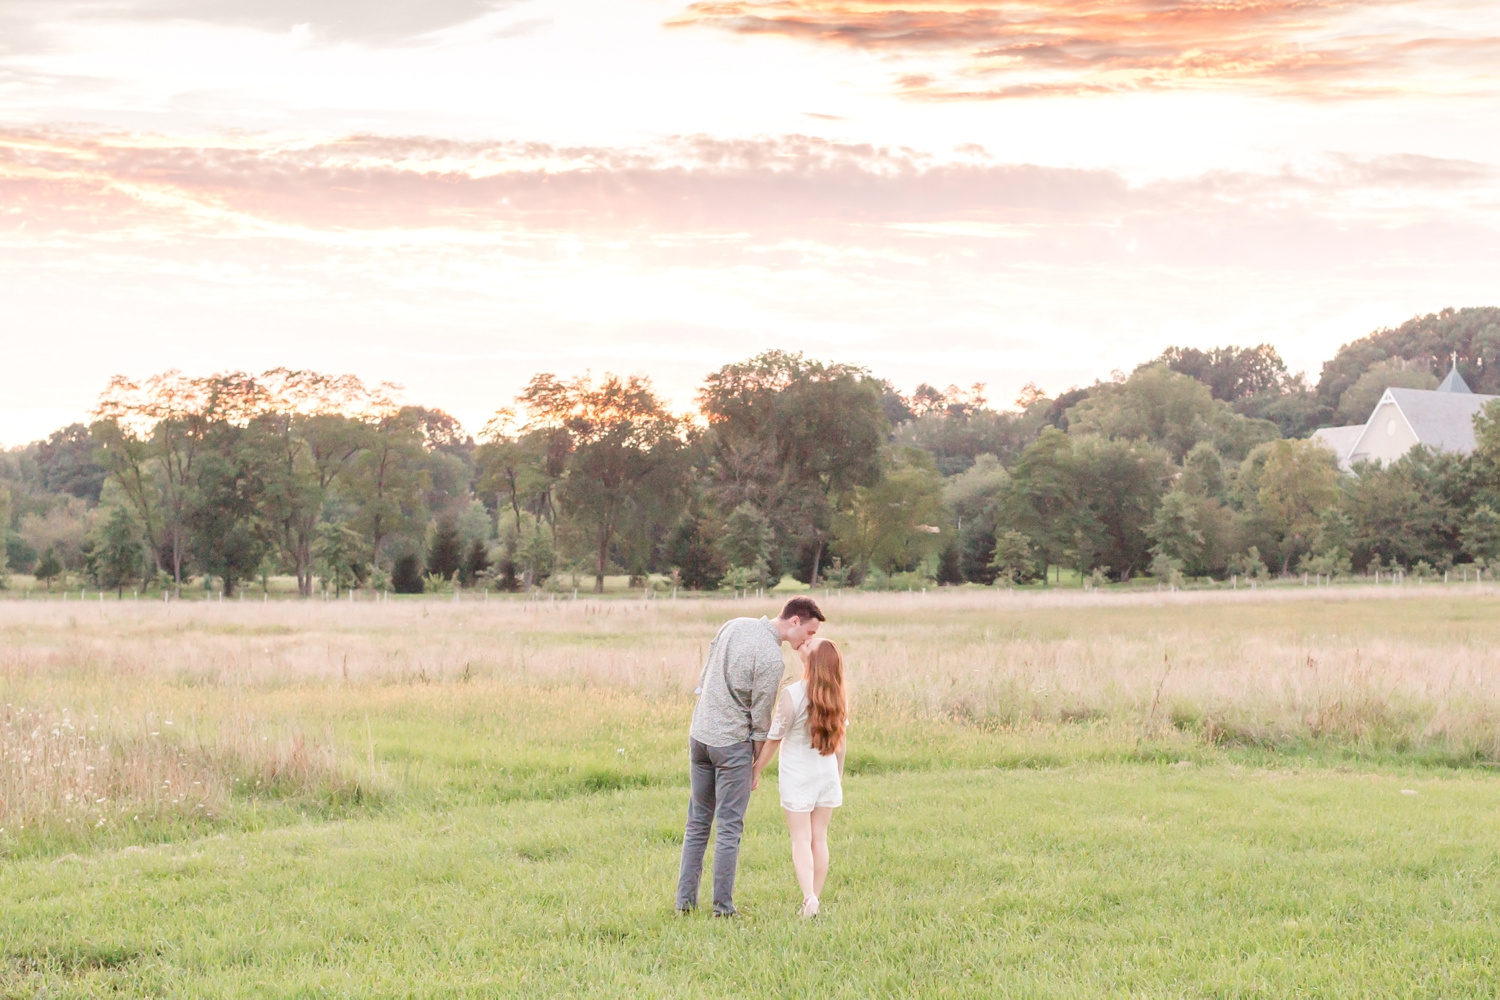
736,696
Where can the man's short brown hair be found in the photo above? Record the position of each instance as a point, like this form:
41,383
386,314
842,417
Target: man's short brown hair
802,607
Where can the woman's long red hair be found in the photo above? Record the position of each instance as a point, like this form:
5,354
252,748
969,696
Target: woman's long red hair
827,705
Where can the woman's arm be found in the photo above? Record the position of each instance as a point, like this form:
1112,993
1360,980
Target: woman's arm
766,751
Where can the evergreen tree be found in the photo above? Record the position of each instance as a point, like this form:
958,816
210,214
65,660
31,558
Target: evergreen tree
118,551
478,561
406,575
446,557
48,567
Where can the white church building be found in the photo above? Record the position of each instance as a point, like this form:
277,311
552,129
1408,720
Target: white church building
1441,419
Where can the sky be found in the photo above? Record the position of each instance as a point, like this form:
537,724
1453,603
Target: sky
453,195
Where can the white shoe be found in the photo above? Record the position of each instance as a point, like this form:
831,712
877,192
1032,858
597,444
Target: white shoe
809,907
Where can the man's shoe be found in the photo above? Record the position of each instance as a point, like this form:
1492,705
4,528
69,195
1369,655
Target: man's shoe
726,913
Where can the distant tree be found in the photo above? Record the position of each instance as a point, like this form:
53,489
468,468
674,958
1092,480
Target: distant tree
1042,499
700,563
1481,534
5,517
446,555
1297,481
973,499
117,551
67,464
793,437
1164,408
477,563
893,525
1119,485
1203,472
222,515
1360,398
1174,530
1230,373
388,482
48,567
956,440
746,538
339,554
627,471
406,574
1013,561
1426,343
1399,513
950,567
894,406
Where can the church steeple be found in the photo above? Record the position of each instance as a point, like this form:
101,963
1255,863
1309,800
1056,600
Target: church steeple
1454,382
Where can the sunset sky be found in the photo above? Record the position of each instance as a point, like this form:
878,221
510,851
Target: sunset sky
455,194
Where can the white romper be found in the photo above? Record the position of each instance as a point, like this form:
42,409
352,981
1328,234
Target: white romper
808,779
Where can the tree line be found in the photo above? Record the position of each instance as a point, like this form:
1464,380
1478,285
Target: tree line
1196,464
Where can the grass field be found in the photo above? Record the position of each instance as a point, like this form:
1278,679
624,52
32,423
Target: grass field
1196,794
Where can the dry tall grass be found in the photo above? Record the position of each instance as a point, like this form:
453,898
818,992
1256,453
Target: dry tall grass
89,690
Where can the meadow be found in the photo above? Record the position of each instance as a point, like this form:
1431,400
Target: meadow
1280,792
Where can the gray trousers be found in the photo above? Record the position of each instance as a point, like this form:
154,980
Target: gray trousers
721,791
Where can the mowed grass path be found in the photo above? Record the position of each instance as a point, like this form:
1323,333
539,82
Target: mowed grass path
1089,880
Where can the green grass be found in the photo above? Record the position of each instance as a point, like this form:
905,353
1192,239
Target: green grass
1093,880
520,823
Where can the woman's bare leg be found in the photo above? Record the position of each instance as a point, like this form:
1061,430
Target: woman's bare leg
800,827
819,834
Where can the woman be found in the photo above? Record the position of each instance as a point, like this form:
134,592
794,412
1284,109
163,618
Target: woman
810,719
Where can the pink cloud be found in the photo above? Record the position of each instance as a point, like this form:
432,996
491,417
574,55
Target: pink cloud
997,49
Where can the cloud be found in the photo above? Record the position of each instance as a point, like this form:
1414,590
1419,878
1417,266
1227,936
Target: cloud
378,22
1000,49
775,205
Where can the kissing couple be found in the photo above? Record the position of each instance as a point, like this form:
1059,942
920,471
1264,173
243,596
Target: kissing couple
739,724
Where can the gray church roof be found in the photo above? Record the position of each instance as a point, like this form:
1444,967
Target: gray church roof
1454,382
1441,420
1339,439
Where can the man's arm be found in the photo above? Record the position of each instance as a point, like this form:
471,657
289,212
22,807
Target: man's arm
765,682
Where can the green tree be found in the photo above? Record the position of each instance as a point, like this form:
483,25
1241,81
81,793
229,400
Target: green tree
1398,512
477,563
1229,373
1174,530
1042,501
1428,341
626,474
974,499
117,550
1119,484
387,483
1481,534
700,563
794,437
223,514
1203,472
1359,400
894,525
1175,412
48,567
446,554
339,554
746,538
1013,560
1297,480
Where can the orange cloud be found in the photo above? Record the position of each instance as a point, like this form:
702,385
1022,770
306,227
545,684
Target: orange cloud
996,49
